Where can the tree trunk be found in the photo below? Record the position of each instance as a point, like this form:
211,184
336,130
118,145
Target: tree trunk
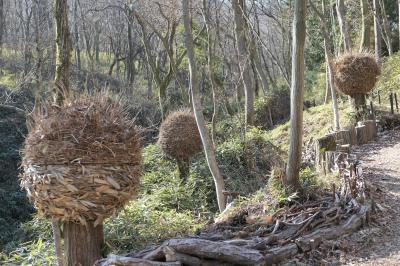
341,12
63,51
297,95
76,36
82,243
198,110
38,17
378,33
2,25
385,27
366,26
244,58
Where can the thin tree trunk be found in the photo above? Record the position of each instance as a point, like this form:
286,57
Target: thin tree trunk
244,58
198,110
76,35
399,21
2,25
38,17
385,27
366,26
63,51
378,33
297,95
341,12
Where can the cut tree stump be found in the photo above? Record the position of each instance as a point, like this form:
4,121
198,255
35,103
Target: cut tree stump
82,243
343,137
362,134
323,145
371,129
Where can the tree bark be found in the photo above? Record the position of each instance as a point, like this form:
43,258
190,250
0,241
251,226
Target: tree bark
2,25
297,95
341,12
63,51
198,110
76,36
377,31
244,58
366,26
385,27
82,243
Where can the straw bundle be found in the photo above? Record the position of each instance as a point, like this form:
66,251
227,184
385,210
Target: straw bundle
355,73
81,161
179,136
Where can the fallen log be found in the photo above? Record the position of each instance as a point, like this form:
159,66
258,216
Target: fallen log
114,260
216,250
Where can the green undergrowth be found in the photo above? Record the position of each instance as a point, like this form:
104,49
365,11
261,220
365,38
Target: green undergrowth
317,121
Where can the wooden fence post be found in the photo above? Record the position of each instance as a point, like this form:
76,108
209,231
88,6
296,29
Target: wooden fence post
391,103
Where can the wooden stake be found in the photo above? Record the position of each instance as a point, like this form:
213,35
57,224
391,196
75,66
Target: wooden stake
379,97
82,243
391,103
397,104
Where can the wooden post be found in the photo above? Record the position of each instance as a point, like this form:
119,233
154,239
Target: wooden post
379,97
397,104
343,137
372,109
391,103
82,243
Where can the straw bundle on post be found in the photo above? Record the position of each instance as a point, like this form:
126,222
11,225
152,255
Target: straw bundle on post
355,73
179,138
82,163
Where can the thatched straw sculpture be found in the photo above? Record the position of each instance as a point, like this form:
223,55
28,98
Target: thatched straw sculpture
355,74
81,161
179,138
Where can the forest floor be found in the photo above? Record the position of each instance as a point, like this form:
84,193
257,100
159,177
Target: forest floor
378,243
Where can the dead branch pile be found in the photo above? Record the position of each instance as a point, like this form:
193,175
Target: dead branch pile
179,136
267,239
81,161
355,73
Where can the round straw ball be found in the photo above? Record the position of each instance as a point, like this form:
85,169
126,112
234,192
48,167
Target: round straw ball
355,73
179,136
81,161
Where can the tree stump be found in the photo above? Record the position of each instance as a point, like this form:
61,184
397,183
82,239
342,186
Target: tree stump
322,146
343,137
371,129
362,134
82,243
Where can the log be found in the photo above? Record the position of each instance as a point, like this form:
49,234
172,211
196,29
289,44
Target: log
114,260
276,255
172,255
82,243
216,250
353,136
362,134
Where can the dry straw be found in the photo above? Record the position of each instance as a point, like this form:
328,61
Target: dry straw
82,161
355,73
179,136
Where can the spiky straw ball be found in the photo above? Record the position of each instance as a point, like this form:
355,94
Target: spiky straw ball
355,73
179,136
81,161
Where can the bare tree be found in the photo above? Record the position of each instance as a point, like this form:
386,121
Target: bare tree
244,58
297,95
2,25
63,51
198,109
377,31
366,25
341,12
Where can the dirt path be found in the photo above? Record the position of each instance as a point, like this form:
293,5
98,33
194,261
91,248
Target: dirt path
379,243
